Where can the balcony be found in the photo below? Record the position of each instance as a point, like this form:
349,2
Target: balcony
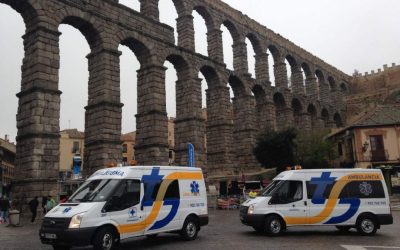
377,156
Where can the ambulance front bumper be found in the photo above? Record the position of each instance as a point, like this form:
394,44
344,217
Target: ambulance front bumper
55,231
67,237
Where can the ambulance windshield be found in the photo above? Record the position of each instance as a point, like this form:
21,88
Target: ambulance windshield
269,190
94,191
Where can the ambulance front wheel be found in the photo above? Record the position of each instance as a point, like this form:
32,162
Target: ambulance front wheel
274,225
366,225
104,239
190,229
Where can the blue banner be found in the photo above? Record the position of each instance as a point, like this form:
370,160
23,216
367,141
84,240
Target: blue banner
76,165
191,155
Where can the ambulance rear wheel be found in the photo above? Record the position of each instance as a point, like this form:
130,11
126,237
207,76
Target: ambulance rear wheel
274,225
190,229
366,225
104,239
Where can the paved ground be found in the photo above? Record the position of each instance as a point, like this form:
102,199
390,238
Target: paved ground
226,232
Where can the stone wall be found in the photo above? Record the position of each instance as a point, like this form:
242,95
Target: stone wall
372,88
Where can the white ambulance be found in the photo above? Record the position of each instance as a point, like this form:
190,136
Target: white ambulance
345,198
118,203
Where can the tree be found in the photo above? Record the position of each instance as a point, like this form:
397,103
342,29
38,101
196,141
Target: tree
314,151
279,149
276,148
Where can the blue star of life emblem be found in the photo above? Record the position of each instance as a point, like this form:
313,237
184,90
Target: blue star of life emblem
66,210
194,188
365,188
132,212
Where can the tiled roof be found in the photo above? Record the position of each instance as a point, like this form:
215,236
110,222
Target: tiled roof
382,115
74,133
379,116
129,136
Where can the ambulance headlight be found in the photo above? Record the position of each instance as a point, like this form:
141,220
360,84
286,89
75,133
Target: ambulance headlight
76,221
251,209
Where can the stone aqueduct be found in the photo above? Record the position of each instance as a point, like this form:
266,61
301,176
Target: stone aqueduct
313,102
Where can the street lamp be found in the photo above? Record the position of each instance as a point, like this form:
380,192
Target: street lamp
365,146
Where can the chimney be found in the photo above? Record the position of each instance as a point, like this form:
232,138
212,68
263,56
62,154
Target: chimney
6,138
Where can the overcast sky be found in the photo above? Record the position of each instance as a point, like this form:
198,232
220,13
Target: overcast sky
348,34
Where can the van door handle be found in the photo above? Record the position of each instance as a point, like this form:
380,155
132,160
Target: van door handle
141,207
305,203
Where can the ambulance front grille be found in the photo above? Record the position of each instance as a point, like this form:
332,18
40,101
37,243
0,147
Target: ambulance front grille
56,222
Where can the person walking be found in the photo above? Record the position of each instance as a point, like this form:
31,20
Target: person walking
33,205
44,203
50,203
4,207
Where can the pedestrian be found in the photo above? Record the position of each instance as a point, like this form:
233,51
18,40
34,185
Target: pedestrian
44,203
4,207
245,196
50,203
63,200
33,205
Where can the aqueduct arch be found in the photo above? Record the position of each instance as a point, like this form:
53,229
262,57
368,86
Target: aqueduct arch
106,24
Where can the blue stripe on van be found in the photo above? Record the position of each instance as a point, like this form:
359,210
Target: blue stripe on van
162,223
354,205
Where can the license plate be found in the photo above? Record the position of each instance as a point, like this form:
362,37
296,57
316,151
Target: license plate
50,236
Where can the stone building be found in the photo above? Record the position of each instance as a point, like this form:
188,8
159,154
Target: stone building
372,140
71,144
128,148
313,100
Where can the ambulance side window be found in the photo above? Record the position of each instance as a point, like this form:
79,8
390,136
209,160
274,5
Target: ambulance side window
127,195
363,190
311,188
172,191
289,191
155,191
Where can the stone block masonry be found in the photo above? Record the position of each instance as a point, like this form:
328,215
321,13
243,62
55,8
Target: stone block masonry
229,129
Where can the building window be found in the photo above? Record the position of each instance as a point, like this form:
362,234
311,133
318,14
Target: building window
340,149
75,147
377,148
124,148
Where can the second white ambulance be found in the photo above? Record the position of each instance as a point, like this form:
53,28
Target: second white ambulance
344,198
